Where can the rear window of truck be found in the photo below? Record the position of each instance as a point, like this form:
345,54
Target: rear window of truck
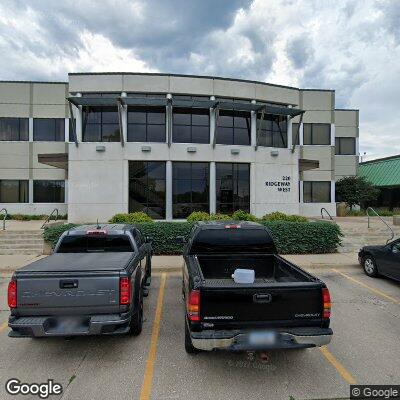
95,244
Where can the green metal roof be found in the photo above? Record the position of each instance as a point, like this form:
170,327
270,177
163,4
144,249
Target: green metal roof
381,172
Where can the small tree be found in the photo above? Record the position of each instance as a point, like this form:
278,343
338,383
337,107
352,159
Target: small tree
356,190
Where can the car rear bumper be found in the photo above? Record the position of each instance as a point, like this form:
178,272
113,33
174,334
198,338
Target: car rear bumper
106,324
293,338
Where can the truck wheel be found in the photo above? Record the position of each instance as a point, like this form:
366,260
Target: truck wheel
369,266
190,349
136,323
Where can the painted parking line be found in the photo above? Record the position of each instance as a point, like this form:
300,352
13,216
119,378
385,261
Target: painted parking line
370,288
149,370
337,365
3,326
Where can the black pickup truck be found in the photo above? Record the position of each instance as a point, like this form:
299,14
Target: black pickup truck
285,307
92,284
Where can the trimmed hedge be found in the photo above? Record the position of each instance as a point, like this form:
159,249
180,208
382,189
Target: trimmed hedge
290,237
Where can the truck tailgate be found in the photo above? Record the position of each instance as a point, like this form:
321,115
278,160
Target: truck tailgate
266,305
67,294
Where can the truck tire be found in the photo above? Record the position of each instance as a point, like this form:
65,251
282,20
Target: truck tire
369,266
190,349
136,323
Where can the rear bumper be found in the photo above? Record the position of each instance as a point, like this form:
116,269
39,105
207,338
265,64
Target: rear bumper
293,338
106,324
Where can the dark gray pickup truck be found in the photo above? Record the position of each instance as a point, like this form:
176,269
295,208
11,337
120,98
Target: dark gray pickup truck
283,307
92,284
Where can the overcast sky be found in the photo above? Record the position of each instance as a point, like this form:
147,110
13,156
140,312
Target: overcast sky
351,46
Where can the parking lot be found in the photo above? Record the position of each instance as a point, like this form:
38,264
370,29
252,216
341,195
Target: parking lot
365,349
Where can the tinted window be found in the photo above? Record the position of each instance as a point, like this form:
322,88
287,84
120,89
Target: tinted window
345,146
233,187
14,191
146,124
233,127
88,244
295,133
190,188
14,129
147,188
232,241
48,191
100,124
272,131
49,129
191,125
317,134
316,192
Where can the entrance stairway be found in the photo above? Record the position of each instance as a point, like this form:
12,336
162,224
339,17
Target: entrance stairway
21,242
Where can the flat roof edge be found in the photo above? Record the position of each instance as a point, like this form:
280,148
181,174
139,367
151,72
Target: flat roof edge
47,82
347,109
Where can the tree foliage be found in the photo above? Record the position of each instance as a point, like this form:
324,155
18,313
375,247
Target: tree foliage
355,190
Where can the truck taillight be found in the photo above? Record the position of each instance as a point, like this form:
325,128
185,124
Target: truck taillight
125,291
193,305
326,303
12,294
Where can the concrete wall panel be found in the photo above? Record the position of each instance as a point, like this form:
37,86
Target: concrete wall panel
95,83
346,117
189,85
146,83
49,111
15,110
346,131
277,94
227,88
44,93
15,92
317,100
322,117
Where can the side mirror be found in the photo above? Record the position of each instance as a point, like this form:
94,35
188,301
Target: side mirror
149,239
181,240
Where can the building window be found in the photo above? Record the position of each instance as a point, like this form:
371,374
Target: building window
345,146
233,127
317,134
146,124
273,131
316,192
147,188
191,125
49,129
48,191
14,191
190,188
233,187
100,124
295,134
14,129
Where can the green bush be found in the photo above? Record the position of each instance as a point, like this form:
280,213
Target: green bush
51,234
26,217
220,217
130,218
289,237
198,216
241,215
280,216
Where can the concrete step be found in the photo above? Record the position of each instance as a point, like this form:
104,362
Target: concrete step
4,252
22,246
17,241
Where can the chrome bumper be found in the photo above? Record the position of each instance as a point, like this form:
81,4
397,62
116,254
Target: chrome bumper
239,342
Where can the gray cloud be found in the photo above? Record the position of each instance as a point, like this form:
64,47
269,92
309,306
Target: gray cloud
300,51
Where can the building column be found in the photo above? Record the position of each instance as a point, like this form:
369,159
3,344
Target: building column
168,121
30,191
212,122
333,200
332,134
253,127
213,188
78,120
253,188
168,191
124,115
30,129
301,136
66,130
289,131
301,192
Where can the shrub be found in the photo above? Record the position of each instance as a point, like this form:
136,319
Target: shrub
51,234
198,216
241,215
220,217
130,218
289,237
26,217
280,216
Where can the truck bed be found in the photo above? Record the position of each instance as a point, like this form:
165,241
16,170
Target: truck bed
217,270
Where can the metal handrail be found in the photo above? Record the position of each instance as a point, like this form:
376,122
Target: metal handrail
4,218
322,214
391,230
49,217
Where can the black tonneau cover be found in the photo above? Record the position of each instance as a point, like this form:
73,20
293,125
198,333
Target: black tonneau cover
70,262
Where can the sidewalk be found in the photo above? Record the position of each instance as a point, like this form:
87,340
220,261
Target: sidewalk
9,264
